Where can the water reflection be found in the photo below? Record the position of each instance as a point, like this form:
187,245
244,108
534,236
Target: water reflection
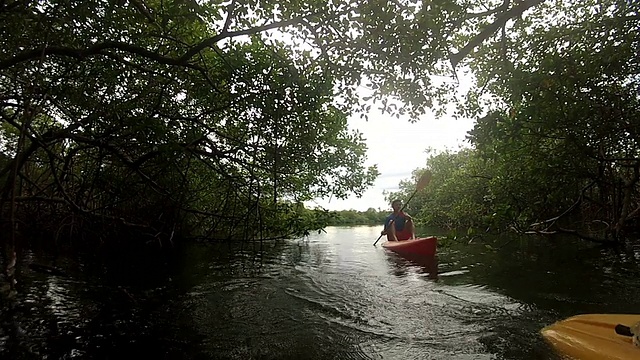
402,265
331,296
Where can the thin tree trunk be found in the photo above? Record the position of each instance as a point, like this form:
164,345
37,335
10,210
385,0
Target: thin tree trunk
627,192
10,247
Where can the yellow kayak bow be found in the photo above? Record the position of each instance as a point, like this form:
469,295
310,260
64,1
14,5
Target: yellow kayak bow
594,336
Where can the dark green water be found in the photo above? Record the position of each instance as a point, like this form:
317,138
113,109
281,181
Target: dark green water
332,296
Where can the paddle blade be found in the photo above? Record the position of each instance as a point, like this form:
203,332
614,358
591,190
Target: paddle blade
424,180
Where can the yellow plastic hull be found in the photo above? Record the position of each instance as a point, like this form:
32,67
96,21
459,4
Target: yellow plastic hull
592,336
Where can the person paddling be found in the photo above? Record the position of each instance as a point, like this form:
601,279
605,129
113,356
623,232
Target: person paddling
402,228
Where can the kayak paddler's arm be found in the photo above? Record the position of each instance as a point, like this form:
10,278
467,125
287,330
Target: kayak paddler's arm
387,224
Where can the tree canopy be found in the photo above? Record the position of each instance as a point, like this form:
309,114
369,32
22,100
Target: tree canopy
202,117
557,149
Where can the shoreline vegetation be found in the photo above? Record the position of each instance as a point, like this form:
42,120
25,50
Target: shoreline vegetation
153,121
355,217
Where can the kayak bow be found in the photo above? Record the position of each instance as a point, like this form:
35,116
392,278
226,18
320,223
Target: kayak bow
420,246
593,336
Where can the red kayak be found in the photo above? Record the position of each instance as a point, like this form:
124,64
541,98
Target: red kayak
420,246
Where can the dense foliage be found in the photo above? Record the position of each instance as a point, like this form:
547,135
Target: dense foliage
559,147
209,118
354,217
200,118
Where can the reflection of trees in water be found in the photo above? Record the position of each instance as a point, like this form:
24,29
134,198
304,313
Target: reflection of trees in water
303,252
45,316
423,264
562,275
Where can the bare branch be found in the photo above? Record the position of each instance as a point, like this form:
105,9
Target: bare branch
503,7
99,49
227,22
492,28
40,199
142,8
230,34
83,53
583,236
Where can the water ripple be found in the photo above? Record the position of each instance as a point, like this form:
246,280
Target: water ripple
332,296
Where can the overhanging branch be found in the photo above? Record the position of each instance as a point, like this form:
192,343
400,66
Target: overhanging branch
492,28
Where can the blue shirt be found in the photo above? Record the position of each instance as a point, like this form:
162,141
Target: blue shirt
399,221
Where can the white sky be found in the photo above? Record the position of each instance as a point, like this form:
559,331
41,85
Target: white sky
398,147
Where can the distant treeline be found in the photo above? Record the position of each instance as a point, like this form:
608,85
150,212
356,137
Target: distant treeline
354,217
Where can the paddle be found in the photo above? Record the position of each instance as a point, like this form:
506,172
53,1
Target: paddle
422,183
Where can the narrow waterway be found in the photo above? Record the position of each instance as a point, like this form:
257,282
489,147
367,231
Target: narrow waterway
331,296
